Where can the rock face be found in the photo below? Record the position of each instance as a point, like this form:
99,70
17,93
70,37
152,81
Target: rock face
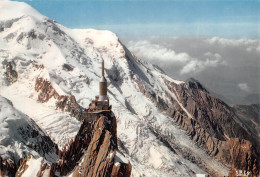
93,152
10,73
45,89
65,103
214,126
22,166
242,154
7,167
69,104
249,116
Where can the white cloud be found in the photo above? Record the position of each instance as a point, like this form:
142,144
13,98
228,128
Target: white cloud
233,42
196,66
211,55
244,86
250,45
145,49
161,55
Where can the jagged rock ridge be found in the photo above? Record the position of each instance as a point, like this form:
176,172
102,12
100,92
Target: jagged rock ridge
93,152
213,126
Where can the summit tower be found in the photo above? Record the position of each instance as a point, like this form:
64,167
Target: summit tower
103,85
101,103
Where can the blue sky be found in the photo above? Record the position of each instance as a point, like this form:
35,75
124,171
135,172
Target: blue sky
226,18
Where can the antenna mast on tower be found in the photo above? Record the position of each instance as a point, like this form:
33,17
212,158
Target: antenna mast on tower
103,68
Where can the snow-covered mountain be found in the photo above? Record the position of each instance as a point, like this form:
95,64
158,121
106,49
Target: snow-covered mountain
21,136
164,126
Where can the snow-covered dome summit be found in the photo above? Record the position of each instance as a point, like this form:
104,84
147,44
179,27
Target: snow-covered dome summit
14,10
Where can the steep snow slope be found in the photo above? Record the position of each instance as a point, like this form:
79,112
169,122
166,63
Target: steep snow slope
20,136
26,36
57,124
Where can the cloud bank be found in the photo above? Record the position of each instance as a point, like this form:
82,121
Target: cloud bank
157,54
227,67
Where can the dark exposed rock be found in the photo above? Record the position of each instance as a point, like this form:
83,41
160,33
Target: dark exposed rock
41,36
91,153
46,170
7,167
67,67
10,36
22,167
242,154
214,126
10,73
249,115
65,103
212,114
32,34
69,104
46,90
42,143
123,170
20,37
36,65
9,23
121,146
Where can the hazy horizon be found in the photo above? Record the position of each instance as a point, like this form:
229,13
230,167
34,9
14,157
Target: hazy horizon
235,18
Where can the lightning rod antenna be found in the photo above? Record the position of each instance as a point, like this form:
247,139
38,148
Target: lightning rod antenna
103,70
